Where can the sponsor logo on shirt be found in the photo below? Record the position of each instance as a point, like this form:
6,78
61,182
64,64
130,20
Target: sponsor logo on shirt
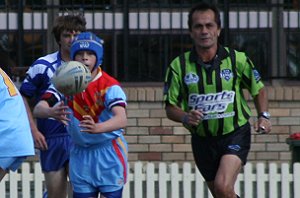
191,78
226,74
218,116
213,105
256,75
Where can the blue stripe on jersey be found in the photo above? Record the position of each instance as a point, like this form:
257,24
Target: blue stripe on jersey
46,63
39,74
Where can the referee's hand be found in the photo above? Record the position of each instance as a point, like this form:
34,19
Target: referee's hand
193,118
263,125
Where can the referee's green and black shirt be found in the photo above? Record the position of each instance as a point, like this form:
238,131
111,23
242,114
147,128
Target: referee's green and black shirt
216,90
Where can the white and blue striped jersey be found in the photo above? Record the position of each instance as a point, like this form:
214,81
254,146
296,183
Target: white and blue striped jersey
36,83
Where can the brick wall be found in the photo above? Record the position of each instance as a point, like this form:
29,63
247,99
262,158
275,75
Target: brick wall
153,137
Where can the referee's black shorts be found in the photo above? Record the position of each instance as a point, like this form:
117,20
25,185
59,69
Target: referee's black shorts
208,151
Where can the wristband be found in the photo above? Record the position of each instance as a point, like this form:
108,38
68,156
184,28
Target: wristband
265,115
185,119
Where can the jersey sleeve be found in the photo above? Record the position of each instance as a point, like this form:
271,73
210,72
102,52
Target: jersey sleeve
36,77
173,82
251,78
52,96
115,96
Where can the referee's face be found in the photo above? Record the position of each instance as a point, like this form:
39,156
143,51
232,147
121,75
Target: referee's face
204,29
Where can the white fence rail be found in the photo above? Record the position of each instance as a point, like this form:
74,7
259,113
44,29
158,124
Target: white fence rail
145,180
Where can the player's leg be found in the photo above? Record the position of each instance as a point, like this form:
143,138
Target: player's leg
115,194
101,168
206,159
56,183
235,147
70,190
54,163
225,179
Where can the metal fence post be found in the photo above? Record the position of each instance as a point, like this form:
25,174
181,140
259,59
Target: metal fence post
226,22
52,13
278,44
125,37
20,34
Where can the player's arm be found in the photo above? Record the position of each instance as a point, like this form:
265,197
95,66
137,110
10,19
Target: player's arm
41,110
118,121
261,105
252,80
45,110
192,118
261,100
39,139
175,113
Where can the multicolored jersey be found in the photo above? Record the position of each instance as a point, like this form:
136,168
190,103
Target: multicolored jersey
97,100
15,132
215,89
36,83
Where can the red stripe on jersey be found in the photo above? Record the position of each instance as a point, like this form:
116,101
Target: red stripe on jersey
91,100
121,158
46,96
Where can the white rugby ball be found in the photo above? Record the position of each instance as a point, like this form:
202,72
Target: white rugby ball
71,78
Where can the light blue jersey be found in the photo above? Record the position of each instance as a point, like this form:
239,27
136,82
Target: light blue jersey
101,158
15,132
97,100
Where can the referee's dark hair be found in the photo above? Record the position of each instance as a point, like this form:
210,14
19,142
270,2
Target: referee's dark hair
203,6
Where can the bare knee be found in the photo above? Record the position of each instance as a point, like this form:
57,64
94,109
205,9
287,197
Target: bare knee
56,183
223,190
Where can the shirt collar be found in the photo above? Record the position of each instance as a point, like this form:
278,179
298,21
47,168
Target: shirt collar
222,53
99,74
